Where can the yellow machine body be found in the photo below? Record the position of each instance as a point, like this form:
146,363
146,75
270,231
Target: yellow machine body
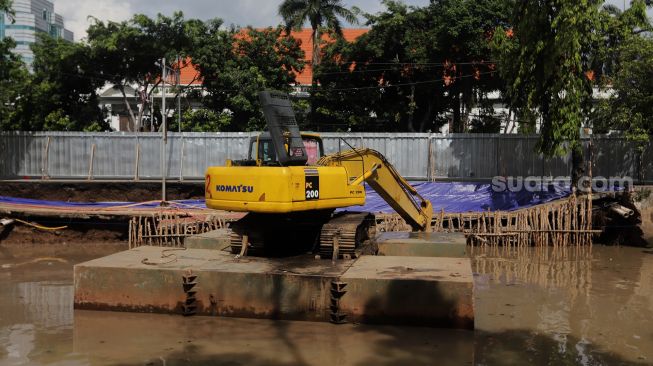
277,189
260,185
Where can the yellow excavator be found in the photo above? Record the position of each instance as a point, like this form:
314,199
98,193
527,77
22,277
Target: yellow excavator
291,190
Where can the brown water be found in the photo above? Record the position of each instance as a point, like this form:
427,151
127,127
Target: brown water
532,307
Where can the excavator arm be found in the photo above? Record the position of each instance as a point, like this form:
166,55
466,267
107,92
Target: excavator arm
372,167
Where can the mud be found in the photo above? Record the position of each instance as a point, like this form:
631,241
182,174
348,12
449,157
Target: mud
99,191
77,231
533,306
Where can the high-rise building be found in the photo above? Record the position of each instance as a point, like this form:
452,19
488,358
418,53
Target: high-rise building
32,17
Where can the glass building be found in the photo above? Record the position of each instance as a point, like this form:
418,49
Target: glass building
32,17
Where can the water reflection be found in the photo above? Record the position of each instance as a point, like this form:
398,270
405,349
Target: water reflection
197,340
533,305
590,305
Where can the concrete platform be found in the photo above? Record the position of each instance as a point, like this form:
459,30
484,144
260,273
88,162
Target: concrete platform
425,291
216,239
451,245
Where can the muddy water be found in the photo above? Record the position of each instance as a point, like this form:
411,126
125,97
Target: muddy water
532,306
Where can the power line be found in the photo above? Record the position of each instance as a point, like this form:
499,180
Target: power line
100,77
409,84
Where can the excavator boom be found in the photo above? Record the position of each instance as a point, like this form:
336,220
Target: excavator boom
372,167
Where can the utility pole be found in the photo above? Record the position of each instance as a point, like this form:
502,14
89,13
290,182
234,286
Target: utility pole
179,92
164,135
181,150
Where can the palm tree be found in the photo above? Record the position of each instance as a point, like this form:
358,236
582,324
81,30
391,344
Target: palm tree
318,13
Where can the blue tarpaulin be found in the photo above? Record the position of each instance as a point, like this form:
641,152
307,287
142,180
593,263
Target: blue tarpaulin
472,197
450,196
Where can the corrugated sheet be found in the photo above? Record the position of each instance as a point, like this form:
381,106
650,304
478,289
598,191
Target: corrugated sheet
415,155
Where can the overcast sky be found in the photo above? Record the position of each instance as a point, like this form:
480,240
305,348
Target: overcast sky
257,13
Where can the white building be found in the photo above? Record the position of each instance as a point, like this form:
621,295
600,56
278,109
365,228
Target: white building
32,17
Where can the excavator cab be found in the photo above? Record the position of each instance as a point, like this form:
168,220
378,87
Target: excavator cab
262,151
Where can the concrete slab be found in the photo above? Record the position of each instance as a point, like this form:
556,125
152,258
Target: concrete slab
216,239
149,279
286,288
451,245
410,290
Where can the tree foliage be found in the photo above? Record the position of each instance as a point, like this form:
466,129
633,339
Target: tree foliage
13,78
237,64
61,96
624,60
318,13
130,53
201,120
630,107
5,6
550,63
415,70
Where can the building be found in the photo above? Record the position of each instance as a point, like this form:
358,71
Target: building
32,17
111,98
305,78
113,101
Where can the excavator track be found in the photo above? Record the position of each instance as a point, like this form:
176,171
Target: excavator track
281,235
273,235
342,236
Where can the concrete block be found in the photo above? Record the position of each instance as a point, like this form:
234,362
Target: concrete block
282,288
393,290
410,290
216,239
453,245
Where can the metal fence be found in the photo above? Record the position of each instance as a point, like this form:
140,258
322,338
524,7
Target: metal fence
419,156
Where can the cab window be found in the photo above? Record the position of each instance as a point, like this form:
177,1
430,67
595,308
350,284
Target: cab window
265,151
267,154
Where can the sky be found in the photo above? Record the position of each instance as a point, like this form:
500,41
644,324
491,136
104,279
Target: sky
257,13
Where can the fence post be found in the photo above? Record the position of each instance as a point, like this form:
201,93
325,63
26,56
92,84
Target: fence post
181,162
137,160
90,164
497,143
429,173
46,161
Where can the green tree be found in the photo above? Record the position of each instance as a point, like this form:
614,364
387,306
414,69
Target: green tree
623,61
236,65
461,32
615,28
630,108
317,13
416,68
553,42
61,92
128,54
201,120
5,6
13,79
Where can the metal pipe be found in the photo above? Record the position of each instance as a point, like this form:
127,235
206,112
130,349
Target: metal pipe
164,136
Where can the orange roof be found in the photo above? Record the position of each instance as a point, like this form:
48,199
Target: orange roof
304,36
190,73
